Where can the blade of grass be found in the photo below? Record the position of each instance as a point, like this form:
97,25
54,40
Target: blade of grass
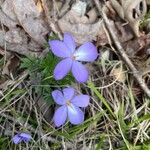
98,94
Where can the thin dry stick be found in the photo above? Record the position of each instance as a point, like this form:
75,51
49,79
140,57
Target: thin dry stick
121,51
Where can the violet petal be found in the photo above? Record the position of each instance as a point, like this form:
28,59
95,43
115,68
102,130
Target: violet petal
25,135
68,93
16,139
86,52
26,140
69,41
62,68
59,49
81,100
60,116
58,97
80,72
75,115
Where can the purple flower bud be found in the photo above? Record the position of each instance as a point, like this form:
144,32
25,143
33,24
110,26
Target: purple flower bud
21,137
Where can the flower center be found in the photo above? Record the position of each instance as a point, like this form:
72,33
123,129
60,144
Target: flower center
73,57
68,103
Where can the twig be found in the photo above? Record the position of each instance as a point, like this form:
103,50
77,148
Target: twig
121,51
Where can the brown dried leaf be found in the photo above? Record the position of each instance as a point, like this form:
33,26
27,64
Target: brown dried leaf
118,74
80,30
3,85
118,8
4,53
131,11
18,41
31,19
64,7
7,8
39,6
11,65
15,36
46,4
138,46
88,27
1,2
148,2
76,22
6,20
92,16
134,12
122,31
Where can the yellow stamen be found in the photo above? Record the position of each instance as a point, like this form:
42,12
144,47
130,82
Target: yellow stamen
68,103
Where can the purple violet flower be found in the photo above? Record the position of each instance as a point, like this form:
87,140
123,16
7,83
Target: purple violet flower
66,49
69,106
21,137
